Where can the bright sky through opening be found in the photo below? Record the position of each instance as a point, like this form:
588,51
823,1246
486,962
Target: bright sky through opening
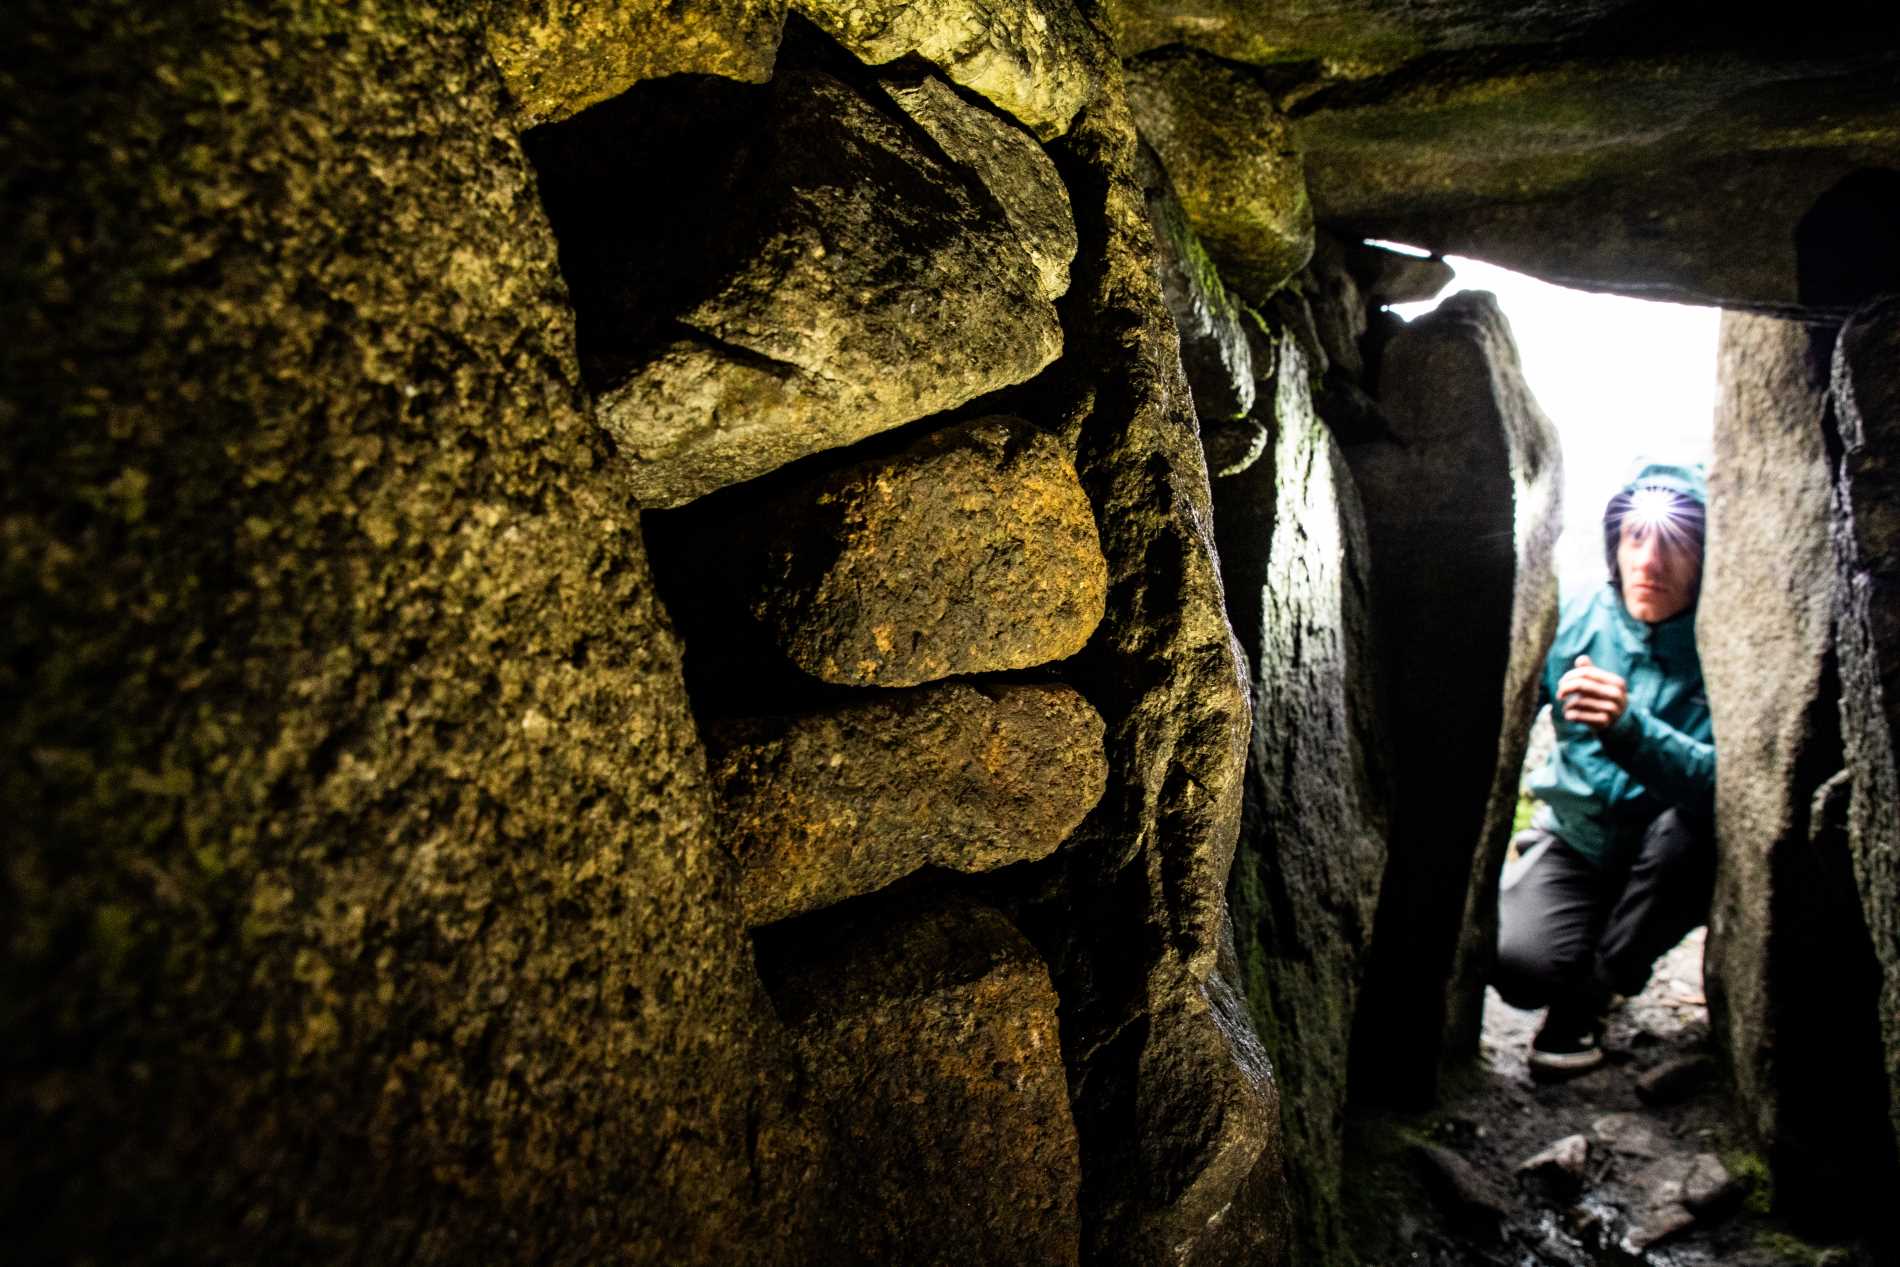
1624,380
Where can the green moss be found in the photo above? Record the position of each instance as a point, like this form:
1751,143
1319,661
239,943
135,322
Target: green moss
1750,1170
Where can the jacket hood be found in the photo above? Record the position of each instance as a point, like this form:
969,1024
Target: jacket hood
1689,481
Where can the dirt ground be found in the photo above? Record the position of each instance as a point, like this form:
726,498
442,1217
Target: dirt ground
1665,1181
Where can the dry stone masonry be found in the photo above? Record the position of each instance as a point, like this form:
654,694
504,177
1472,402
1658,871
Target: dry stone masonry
781,631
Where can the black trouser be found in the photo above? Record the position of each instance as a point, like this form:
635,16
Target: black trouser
1573,933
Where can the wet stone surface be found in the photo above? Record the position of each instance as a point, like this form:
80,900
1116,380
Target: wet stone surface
1589,1171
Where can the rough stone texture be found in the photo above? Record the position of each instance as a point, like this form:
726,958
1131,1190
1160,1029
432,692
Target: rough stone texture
1214,347
1792,980
1390,277
1465,1193
1620,172
1601,144
1462,509
929,1035
1866,535
1176,1110
1034,59
1558,1172
1010,165
560,56
972,551
1234,162
822,807
1305,880
815,272
360,902
1675,1080
1349,38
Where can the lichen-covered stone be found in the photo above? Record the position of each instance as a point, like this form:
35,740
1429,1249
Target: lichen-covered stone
1234,161
1348,39
1793,985
1033,59
1175,1104
1462,509
1214,349
816,273
1867,545
825,806
973,551
560,56
360,897
1617,174
1305,881
929,1033
1010,165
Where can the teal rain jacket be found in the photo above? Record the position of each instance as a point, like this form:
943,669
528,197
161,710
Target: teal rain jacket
1600,792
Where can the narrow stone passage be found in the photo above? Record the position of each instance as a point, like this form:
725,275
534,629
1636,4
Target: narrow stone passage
1635,1163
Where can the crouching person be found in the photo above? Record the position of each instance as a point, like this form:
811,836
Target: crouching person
1619,863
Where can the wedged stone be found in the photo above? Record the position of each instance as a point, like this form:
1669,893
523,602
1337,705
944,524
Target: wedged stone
1631,1134
1558,1171
930,1037
1339,309
825,806
1305,878
1708,1189
1678,1190
1234,162
1392,277
1866,533
1011,166
1462,1191
816,273
560,56
1462,508
1214,346
1033,59
975,550
1233,447
1674,1080
1793,980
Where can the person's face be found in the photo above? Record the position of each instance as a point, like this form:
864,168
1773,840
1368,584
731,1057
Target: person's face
1659,574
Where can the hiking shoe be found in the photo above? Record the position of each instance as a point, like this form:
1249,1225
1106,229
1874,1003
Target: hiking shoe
1570,1043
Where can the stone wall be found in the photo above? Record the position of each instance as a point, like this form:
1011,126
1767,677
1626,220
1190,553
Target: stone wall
619,648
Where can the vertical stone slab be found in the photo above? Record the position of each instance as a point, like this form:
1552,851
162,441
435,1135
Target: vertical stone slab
360,900
1305,881
1790,972
1867,543
1461,509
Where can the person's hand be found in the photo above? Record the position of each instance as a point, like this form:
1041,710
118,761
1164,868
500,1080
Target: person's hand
1596,697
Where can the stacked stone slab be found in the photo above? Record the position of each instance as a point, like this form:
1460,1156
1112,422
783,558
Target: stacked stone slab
1792,977
828,260
929,1031
1461,509
1867,544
